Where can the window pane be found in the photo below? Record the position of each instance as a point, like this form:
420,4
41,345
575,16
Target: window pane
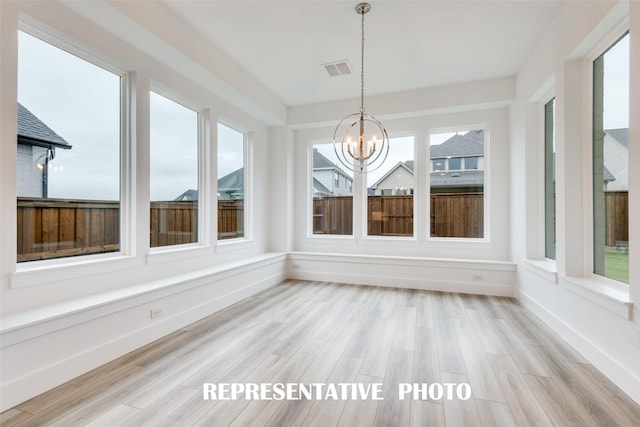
611,162
471,163
332,197
549,180
438,164
390,192
231,185
174,173
457,196
455,164
68,167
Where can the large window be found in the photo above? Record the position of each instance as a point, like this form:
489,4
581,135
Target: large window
611,162
549,180
174,172
456,193
68,154
332,189
390,192
231,183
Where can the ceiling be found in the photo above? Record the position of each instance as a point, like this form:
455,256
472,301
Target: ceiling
409,44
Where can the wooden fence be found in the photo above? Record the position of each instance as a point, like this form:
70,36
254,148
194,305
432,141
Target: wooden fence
230,219
452,215
174,223
53,228
617,217
457,215
390,215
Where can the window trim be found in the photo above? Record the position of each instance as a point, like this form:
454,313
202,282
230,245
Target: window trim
588,274
221,245
486,238
203,226
127,241
365,192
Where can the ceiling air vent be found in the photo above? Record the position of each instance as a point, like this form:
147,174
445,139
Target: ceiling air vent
339,68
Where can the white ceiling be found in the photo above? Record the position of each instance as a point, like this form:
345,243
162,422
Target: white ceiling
409,44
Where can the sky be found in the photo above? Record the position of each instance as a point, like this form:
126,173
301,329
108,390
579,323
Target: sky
81,102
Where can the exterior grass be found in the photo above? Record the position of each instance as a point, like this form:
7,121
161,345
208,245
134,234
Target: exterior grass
616,266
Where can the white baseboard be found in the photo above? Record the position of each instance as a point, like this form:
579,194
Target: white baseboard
462,276
595,354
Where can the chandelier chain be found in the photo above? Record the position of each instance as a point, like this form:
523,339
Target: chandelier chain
362,65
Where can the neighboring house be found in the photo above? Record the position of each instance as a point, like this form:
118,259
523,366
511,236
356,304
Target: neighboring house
328,178
399,180
231,186
37,145
457,165
187,196
617,162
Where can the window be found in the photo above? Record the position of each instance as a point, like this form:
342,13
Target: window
174,172
332,206
231,183
337,180
390,192
455,164
611,162
549,180
68,145
457,196
438,164
470,163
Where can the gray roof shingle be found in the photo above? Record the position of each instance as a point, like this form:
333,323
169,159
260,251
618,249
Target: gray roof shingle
469,144
31,130
621,135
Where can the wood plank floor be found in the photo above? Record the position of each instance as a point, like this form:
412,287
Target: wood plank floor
520,373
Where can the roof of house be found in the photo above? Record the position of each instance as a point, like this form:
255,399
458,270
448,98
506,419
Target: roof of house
32,130
187,196
621,135
319,188
407,165
320,161
234,180
469,144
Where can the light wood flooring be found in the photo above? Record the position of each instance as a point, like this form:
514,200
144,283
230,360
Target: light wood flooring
520,373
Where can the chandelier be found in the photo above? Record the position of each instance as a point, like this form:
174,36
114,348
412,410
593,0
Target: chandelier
360,141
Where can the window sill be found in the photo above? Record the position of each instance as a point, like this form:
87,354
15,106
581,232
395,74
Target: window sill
545,268
600,292
44,272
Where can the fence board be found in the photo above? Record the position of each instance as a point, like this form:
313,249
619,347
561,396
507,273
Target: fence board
616,217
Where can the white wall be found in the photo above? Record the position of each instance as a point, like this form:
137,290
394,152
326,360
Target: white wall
63,317
464,265
596,316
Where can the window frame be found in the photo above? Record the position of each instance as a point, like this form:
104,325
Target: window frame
550,97
486,189
203,226
223,245
126,155
365,202
600,49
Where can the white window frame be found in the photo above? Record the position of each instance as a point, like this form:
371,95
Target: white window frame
486,162
203,239
224,245
588,263
365,204
38,272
